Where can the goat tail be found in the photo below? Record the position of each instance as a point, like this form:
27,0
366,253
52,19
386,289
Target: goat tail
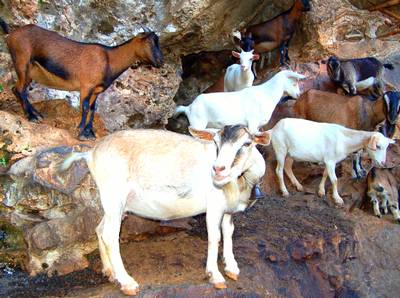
181,110
66,163
388,66
4,26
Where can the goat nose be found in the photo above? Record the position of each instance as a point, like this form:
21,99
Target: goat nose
218,169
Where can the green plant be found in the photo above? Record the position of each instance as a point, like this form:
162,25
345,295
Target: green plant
1,88
3,161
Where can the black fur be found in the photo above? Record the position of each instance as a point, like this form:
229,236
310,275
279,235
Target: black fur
306,5
4,26
158,58
388,66
379,188
373,173
247,43
229,133
392,106
52,66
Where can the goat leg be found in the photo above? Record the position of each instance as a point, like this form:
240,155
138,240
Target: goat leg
32,114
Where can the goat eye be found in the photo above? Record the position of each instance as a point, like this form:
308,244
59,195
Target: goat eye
247,144
378,147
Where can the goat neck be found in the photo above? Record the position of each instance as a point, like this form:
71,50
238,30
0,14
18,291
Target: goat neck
275,84
378,113
356,139
123,56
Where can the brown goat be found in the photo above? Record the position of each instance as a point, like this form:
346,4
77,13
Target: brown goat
383,191
90,68
353,112
278,31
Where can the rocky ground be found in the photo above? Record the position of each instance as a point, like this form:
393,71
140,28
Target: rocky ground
297,247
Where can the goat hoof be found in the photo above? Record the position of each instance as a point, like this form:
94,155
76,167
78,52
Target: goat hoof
321,194
300,188
107,273
130,290
220,285
232,275
379,215
35,118
87,135
285,194
339,203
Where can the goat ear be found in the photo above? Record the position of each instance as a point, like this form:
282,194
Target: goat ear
256,57
262,138
235,54
296,76
372,142
391,141
206,135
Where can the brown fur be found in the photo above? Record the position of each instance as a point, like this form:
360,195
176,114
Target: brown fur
353,112
277,32
57,62
218,86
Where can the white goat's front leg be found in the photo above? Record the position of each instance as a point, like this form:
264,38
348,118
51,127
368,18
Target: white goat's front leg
330,167
321,188
291,176
231,266
214,218
113,202
107,268
280,161
375,203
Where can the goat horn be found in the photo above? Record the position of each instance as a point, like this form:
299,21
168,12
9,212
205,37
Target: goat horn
145,29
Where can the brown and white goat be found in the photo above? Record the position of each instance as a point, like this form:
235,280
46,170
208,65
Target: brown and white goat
164,175
277,32
58,62
383,191
353,112
357,74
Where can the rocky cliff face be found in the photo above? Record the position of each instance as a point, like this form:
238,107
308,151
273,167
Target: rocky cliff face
305,245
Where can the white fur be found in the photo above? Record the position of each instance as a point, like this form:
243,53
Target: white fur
252,106
327,143
163,175
240,76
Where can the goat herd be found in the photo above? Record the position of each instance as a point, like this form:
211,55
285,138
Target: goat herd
164,175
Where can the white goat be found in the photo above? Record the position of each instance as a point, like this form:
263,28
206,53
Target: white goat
305,140
252,106
163,175
240,76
